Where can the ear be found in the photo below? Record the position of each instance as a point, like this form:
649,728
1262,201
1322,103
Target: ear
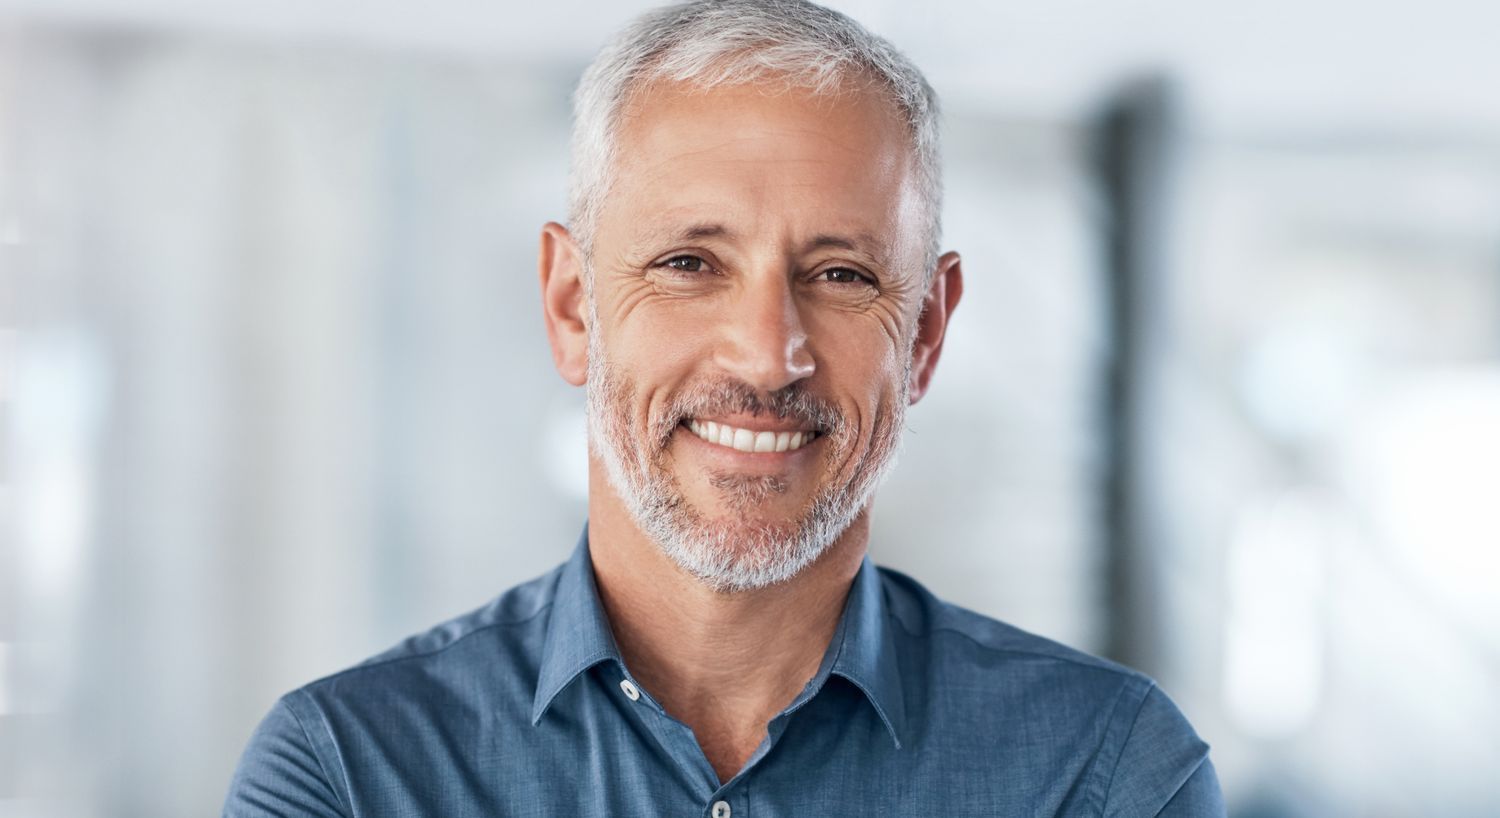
937,307
560,264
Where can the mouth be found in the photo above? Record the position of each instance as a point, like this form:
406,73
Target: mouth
750,440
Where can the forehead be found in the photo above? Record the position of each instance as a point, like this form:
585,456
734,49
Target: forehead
764,158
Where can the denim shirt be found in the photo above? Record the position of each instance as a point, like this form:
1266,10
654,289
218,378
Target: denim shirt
920,708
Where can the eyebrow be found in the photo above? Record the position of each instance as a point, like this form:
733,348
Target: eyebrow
858,243
703,230
863,243
647,244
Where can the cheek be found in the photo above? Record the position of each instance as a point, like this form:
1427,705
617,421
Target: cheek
661,330
859,352
660,350
868,379
879,327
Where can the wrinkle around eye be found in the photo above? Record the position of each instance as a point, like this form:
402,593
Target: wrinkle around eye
890,320
628,289
705,275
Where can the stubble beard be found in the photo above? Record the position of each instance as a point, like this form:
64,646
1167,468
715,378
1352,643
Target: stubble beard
742,550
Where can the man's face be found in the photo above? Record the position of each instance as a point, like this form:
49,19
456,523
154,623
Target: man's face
757,274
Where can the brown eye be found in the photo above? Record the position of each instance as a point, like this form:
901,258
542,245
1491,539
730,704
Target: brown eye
685,264
843,275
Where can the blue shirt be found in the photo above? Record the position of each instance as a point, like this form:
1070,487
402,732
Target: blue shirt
920,708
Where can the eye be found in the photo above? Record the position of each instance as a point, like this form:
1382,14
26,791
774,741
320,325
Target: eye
685,264
844,275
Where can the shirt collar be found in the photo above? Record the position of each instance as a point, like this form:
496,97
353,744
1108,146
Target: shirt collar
867,650
863,649
578,635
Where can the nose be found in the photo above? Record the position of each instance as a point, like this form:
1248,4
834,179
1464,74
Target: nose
764,342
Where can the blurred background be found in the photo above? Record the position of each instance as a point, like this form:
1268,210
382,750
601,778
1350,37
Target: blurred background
1222,400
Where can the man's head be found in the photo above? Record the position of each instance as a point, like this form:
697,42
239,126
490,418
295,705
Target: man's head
750,288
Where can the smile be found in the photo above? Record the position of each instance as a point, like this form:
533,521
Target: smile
745,440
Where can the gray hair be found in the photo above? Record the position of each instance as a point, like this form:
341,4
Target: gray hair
728,42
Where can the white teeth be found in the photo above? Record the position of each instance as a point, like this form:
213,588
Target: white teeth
745,440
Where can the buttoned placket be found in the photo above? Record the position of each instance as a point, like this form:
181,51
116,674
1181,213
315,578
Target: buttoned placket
582,643
683,746
677,739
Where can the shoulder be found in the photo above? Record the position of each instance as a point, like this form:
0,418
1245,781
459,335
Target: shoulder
410,697
1110,723
988,644
514,622
479,661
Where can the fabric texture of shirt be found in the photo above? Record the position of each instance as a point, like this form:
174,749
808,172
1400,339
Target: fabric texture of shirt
920,708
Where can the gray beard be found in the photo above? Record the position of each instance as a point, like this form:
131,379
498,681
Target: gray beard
736,553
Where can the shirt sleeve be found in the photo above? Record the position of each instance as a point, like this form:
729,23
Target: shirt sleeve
1163,767
280,774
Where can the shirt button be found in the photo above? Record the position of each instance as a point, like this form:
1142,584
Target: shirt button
721,809
635,696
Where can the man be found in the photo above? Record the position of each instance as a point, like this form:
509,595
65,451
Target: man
750,290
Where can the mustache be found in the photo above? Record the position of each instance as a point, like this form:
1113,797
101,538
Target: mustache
723,396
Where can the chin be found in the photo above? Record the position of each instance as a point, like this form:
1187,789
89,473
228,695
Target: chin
754,501
743,552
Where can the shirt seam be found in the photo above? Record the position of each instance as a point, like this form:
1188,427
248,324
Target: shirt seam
1185,781
1134,720
435,651
1118,670
346,799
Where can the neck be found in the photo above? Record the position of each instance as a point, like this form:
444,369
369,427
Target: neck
722,663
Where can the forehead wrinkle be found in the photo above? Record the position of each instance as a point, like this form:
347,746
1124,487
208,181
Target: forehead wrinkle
679,164
637,147
636,123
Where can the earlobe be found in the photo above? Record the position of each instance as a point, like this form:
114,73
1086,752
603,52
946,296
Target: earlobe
560,265
938,304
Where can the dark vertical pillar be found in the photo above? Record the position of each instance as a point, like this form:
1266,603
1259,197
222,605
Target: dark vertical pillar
1132,152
